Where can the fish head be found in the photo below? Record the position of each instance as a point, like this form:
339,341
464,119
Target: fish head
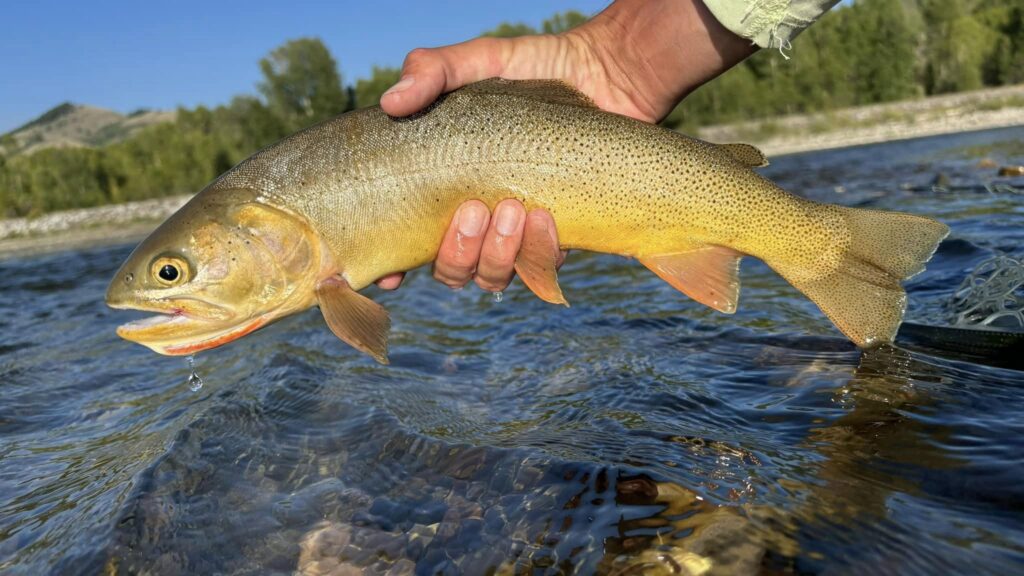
221,267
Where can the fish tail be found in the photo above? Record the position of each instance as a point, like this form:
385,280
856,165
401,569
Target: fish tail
863,295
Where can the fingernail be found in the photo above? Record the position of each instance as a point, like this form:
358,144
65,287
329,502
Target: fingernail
471,220
508,220
403,83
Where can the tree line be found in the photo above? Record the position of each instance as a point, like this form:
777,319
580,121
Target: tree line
866,52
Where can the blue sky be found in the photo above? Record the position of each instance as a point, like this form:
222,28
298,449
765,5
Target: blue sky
127,55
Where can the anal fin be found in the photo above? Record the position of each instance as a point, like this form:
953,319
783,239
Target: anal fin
709,275
357,320
537,262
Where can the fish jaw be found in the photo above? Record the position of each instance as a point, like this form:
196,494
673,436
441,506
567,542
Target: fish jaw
215,341
173,331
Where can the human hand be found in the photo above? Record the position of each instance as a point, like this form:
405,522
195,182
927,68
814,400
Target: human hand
637,58
483,248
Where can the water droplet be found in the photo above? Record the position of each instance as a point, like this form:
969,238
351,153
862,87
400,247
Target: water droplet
194,381
498,296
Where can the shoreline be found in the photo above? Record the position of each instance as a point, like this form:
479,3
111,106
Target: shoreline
891,132
987,109
956,113
91,227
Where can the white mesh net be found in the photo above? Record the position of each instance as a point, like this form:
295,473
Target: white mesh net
991,295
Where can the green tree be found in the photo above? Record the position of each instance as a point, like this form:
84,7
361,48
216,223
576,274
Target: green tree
563,22
8,144
369,90
885,59
302,83
1014,68
956,47
256,124
828,54
1005,65
509,30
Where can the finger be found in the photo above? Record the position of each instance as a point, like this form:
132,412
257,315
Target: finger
460,249
391,281
498,255
428,72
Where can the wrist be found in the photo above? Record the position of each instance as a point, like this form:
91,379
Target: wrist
663,49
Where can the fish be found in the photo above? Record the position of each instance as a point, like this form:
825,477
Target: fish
322,214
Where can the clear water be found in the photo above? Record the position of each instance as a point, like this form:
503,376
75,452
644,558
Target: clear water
635,432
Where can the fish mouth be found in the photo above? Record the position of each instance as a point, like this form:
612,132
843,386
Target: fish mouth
145,325
173,332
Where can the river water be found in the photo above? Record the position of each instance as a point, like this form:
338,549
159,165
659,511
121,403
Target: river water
636,432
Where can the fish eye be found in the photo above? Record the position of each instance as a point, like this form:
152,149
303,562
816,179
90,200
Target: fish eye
170,271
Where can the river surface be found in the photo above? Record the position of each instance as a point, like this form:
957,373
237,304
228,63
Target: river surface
635,432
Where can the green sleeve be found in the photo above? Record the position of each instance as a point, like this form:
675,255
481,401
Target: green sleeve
768,23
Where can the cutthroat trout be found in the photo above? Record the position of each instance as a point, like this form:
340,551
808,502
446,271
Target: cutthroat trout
325,212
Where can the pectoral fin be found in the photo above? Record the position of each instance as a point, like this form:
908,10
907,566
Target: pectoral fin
537,262
709,275
359,321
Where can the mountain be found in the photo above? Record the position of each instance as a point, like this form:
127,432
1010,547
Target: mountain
77,125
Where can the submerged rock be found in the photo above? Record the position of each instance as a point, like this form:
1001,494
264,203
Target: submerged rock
941,180
321,551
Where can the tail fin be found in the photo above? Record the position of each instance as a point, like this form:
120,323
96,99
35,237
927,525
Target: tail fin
863,297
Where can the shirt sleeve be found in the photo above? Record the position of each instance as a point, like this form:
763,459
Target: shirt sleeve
768,23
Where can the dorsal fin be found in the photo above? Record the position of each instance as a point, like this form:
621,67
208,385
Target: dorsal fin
554,91
745,153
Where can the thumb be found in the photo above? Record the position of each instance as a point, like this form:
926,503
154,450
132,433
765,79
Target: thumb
429,72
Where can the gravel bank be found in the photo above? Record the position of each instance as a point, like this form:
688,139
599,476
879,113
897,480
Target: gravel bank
85,226
963,112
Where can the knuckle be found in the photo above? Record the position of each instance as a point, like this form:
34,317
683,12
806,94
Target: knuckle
490,285
452,278
493,278
417,55
465,255
457,263
462,260
460,257
453,283
498,260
